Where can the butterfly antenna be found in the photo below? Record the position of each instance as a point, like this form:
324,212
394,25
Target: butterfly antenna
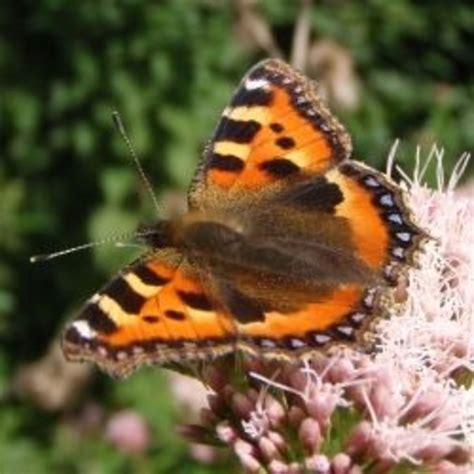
117,239
121,129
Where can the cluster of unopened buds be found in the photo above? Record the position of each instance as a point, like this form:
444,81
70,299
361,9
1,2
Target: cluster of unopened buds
407,408
332,415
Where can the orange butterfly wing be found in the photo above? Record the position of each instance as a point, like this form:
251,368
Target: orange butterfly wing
385,239
275,126
154,311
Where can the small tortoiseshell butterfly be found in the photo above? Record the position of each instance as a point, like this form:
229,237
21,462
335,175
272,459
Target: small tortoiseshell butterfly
287,248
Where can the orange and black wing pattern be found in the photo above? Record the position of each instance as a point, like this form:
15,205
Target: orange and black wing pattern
275,127
303,244
384,240
154,311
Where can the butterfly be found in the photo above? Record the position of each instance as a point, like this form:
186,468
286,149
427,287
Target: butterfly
288,246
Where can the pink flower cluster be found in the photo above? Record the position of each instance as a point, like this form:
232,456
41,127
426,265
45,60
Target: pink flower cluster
333,415
409,406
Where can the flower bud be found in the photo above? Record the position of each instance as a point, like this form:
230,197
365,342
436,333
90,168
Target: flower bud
319,464
295,415
359,440
278,440
274,410
321,408
341,463
278,467
249,463
309,434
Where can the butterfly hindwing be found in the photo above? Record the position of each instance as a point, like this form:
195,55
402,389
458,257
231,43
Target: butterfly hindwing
382,223
385,239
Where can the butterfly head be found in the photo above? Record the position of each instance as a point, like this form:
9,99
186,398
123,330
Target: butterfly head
158,235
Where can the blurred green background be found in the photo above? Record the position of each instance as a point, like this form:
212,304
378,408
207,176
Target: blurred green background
401,68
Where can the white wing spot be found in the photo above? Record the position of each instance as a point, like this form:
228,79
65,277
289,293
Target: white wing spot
297,343
84,329
371,182
121,355
386,200
268,343
251,84
346,330
398,252
404,236
94,298
358,317
396,218
369,298
322,338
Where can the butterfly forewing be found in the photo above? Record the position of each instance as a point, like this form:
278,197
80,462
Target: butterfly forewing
276,126
155,311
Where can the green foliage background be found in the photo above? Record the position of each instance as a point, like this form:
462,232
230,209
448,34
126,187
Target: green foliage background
169,66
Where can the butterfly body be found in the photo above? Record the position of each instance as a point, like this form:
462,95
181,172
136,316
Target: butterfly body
288,245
